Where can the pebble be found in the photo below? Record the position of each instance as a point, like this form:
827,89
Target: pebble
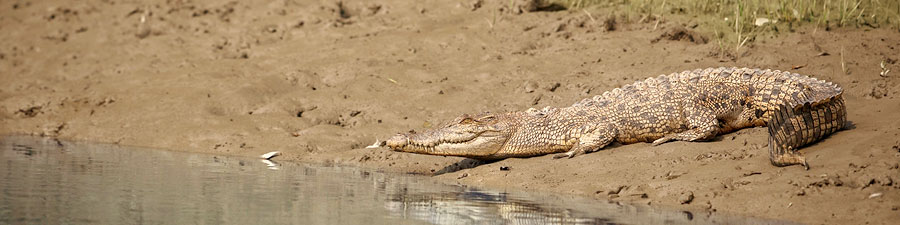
552,87
686,197
530,86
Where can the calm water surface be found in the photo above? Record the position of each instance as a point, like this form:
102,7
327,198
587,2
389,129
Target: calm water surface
44,181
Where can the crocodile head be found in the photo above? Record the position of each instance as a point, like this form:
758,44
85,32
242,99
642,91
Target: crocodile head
479,136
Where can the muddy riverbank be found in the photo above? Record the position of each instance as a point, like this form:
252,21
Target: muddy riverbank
319,81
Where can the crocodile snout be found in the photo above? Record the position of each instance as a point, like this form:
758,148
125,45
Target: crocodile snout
397,142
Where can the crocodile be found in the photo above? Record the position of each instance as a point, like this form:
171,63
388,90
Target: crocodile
694,105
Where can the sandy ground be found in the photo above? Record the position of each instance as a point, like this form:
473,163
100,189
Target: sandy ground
321,80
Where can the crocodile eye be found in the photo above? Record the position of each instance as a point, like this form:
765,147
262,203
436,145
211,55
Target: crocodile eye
486,118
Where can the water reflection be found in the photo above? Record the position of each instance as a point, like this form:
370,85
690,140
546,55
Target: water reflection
475,207
47,181
460,205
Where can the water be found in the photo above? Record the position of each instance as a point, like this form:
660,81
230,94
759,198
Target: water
44,181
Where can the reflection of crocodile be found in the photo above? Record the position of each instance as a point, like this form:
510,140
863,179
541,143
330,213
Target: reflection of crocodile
479,207
687,106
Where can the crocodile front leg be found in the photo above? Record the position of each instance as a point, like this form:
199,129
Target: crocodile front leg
590,142
703,123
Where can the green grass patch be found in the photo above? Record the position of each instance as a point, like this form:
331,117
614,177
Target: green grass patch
737,23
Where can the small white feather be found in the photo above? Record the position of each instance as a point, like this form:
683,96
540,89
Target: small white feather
875,195
376,145
270,155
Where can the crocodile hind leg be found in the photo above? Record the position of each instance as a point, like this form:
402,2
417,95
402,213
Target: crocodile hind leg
793,127
703,123
591,142
785,155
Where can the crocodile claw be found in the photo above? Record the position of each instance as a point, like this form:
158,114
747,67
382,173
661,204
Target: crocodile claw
568,154
661,141
804,163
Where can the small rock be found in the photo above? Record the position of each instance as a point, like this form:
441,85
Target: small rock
504,168
461,176
530,86
673,174
886,181
553,87
143,30
686,197
836,181
762,21
523,6
475,5
865,182
536,99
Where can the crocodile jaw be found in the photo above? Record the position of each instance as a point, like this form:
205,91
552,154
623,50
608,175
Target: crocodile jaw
482,145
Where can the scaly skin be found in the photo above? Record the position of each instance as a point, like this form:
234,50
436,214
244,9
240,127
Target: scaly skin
688,106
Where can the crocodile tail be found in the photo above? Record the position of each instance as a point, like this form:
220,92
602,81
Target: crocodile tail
791,128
